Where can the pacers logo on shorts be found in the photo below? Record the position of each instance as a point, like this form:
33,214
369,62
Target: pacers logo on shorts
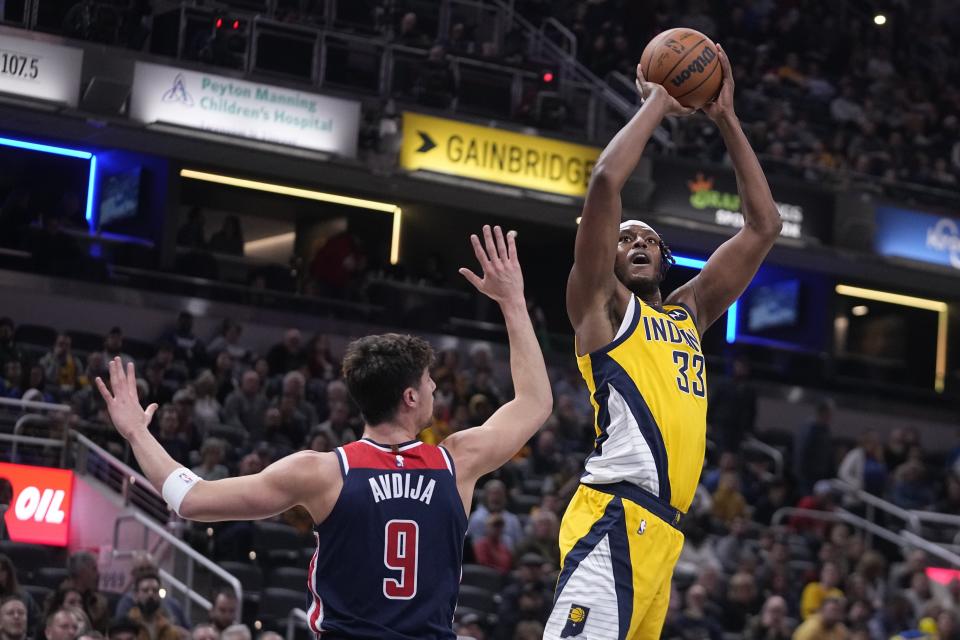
576,620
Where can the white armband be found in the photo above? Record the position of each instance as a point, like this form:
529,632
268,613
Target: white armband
177,486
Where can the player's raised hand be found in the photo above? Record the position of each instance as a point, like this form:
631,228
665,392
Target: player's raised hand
502,279
651,91
123,403
722,106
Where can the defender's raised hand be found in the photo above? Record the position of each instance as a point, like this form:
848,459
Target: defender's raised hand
502,278
127,415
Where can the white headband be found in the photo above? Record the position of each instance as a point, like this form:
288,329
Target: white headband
630,223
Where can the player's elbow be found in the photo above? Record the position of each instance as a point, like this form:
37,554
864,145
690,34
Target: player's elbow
602,179
768,227
541,406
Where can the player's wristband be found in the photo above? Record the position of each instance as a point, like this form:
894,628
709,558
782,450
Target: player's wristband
177,486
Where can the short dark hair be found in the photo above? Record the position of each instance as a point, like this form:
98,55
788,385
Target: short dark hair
146,575
377,370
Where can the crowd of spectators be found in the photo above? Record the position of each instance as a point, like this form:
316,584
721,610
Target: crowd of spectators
823,90
227,410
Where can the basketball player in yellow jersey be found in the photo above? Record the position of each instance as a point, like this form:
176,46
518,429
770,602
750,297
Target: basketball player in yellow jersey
642,361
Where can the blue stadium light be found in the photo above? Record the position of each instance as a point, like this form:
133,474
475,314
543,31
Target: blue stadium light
694,263
70,153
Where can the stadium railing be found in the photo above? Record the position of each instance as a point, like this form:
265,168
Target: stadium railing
873,504
904,539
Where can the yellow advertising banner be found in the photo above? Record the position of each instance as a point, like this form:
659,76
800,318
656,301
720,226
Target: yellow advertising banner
493,155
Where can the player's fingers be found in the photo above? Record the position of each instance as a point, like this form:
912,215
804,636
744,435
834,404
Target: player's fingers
725,64
103,390
114,378
512,245
640,77
471,277
501,244
490,245
479,252
152,409
132,380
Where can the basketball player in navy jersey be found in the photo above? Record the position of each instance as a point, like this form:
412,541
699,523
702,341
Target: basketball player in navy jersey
390,511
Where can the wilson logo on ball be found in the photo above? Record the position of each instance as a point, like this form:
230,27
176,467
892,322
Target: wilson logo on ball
698,65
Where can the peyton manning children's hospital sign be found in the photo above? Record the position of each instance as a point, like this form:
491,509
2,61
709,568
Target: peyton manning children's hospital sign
246,109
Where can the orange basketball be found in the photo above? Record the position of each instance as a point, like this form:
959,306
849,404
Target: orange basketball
686,63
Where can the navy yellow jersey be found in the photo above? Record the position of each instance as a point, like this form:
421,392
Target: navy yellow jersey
649,393
388,558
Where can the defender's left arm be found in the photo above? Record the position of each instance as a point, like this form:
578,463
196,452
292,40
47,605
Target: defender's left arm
732,266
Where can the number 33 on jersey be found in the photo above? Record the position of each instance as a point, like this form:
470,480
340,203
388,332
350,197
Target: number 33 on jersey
649,391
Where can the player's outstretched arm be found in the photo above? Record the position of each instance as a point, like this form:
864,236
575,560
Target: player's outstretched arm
592,282
482,449
732,266
304,478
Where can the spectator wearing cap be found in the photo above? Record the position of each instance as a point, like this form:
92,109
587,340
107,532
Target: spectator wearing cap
245,406
113,347
827,624
61,625
126,629
490,550
9,350
495,501
148,609
813,458
62,367
13,618
827,586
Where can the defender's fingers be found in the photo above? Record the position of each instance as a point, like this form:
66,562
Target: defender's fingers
103,390
490,245
471,277
512,245
479,252
501,245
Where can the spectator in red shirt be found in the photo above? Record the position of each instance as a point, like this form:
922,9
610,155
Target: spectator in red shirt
822,499
490,550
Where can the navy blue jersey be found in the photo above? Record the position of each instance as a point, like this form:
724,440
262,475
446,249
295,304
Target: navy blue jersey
387,565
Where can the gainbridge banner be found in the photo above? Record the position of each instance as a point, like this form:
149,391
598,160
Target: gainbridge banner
494,155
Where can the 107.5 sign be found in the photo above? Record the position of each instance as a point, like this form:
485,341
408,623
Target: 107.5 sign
18,65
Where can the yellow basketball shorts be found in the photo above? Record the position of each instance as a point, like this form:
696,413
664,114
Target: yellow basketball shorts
617,559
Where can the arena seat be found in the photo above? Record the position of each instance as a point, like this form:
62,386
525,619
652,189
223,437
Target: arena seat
277,543
27,558
477,598
287,578
475,575
36,334
50,577
235,436
38,593
250,576
276,604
